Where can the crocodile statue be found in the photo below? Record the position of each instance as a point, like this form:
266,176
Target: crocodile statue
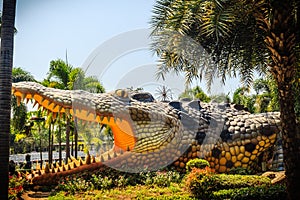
150,135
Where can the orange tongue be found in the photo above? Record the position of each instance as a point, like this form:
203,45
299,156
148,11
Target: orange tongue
123,135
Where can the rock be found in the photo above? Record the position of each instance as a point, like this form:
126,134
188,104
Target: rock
276,177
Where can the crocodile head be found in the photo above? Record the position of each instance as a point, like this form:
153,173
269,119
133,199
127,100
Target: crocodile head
149,135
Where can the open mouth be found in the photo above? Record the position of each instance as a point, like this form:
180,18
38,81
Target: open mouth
136,130
62,102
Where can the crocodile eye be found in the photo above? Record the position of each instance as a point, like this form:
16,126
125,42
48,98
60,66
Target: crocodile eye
121,93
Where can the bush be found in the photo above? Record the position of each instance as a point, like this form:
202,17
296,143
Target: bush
198,182
202,182
15,187
196,163
260,192
162,179
240,170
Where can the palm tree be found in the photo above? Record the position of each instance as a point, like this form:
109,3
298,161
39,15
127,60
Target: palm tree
19,112
163,93
217,38
64,76
6,61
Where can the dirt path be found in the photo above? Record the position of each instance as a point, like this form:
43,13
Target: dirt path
31,195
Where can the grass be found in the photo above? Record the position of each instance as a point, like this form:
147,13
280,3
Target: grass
174,191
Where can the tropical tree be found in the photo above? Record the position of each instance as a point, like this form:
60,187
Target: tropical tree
164,93
195,93
219,38
64,76
19,112
6,62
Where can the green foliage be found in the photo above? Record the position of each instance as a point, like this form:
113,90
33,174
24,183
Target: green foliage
240,171
195,93
15,187
259,192
220,98
202,183
162,179
108,179
196,163
265,99
198,182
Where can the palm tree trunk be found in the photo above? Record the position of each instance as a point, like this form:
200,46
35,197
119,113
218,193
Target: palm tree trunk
49,144
41,149
67,139
59,142
76,136
281,43
6,63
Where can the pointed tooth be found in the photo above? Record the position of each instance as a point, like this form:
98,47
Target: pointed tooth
93,160
73,158
39,106
115,154
80,162
35,103
18,100
59,108
23,97
27,100
54,115
102,159
101,118
108,118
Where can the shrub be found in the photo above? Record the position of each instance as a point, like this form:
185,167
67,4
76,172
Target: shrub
196,163
202,183
260,192
15,187
198,182
162,179
240,170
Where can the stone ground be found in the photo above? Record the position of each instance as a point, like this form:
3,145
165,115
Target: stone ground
32,195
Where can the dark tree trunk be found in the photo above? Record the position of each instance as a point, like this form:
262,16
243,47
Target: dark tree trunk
281,43
59,143
41,148
6,63
49,145
76,137
67,139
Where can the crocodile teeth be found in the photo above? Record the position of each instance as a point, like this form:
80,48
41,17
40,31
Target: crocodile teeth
23,96
35,103
18,100
27,100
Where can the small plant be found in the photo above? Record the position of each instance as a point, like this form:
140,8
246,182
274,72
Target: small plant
15,188
199,182
248,193
197,163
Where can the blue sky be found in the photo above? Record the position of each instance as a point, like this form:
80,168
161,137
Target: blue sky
92,31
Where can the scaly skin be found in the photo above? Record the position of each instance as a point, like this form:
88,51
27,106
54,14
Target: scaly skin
150,135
